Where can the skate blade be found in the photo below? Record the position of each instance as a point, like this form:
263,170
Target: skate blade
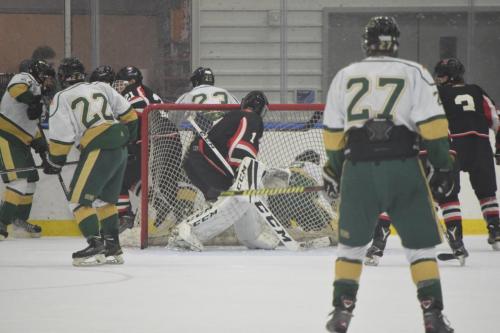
115,260
96,260
496,246
372,261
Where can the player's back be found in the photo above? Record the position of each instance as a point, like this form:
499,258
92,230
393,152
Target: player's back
383,86
467,108
207,94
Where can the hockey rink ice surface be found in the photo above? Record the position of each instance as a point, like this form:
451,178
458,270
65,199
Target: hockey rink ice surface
229,290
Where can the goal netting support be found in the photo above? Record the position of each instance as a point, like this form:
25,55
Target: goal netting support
292,142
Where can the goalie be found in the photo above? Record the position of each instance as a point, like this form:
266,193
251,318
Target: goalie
236,137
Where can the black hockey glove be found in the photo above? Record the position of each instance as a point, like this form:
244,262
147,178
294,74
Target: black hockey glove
40,147
441,182
49,167
331,183
497,156
35,109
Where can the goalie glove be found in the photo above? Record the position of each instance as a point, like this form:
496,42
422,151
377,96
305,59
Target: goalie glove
441,183
331,183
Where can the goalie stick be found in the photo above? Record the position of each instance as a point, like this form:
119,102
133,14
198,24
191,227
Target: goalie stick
273,191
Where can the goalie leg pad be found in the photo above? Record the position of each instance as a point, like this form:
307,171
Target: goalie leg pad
252,231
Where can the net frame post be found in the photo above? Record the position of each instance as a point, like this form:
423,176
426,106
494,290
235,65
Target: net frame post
144,208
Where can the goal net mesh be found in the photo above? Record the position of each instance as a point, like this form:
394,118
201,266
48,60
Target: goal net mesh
291,147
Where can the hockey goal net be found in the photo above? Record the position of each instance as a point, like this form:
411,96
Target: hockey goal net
292,142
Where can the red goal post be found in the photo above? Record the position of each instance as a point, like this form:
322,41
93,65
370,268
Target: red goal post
288,122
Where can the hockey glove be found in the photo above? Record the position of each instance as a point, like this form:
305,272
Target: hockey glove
40,147
441,183
35,109
49,167
497,156
331,183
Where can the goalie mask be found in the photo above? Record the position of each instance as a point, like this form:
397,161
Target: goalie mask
70,71
125,76
449,71
103,74
256,101
381,36
202,75
40,70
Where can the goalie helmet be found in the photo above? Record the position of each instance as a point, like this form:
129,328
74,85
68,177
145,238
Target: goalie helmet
381,36
70,71
202,75
449,71
103,74
256,101
125,75
40,70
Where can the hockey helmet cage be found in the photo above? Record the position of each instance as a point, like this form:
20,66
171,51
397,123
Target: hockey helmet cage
202,75
40,70
308,155
256,101
381,36
451,68
103,74
128,73
70,71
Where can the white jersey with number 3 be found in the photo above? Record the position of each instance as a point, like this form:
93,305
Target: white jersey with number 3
82,106
382,86
206,94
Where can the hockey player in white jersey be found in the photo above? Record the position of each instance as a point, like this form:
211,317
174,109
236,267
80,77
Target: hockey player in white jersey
20,112
101,123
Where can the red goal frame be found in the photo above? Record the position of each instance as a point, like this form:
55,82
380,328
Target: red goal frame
186,107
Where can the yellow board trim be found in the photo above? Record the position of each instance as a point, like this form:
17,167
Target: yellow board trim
106,211
18,89
59,149
84,175
83,212
92,133
424,270
17,199
345,270
8,161
333,140
9,127
434,129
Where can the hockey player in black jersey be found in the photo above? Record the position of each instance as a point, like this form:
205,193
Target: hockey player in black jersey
471,114
128,82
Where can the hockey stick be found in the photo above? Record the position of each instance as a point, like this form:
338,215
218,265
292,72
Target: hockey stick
273,191
210,144
2,172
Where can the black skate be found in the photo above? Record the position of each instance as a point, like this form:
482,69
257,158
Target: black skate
126,221
341,316
435,322
3,231
373,255
26,229
376,250
494,236
459,251
92,255
113,250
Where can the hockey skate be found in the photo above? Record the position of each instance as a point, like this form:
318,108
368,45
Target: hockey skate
459,251
3,231
373,255
376,250
341,316
22,228
182,237
92,255
113,251
435,322
126,221
494,236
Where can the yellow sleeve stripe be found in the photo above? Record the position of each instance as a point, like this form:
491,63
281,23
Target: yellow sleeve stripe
58,148
334,139
17,89
129,116
424,270
434,128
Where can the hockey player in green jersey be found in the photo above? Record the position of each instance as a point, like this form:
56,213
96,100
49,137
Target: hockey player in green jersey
20,112
101,123
375,108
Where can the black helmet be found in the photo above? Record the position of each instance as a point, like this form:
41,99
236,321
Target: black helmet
129,73
40,70
308,156
24,66
452,68
257,101
103,74
70,71
202,75
381,36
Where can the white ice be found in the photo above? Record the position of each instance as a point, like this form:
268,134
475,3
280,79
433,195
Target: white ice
228,290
